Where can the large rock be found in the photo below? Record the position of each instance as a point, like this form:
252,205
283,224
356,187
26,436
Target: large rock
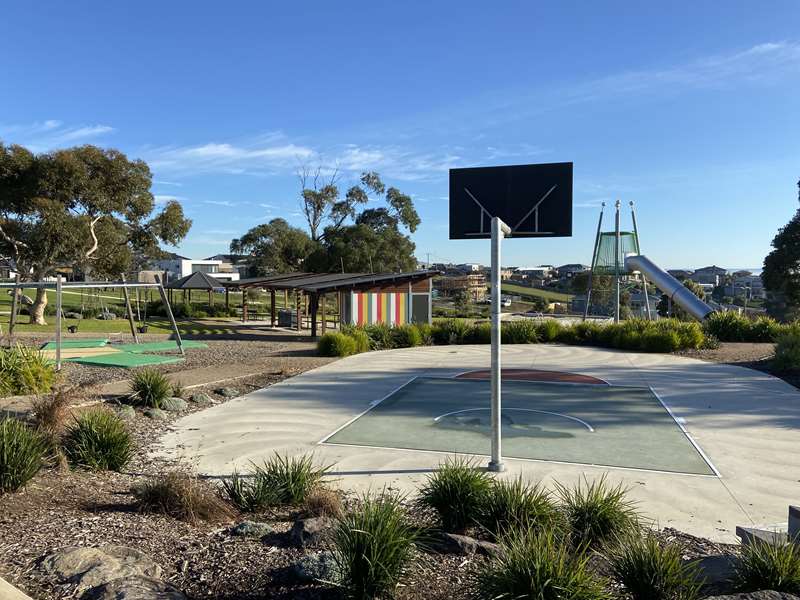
134,588
320,566
452,543
252,529
126,411
311,532
764,595
92,567
174,404
716,569
228,392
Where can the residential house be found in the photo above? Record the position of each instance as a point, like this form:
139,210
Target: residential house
712,275
474,284
176,266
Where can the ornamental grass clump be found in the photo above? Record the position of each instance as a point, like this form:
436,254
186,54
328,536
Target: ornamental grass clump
651,570
22,453
597,512
249,494
98,440
374,546
150,388
787,350
519,332
766,565
516,504
336,344
182,496
25,370
456,491
541,566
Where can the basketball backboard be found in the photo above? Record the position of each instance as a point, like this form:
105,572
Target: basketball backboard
533,200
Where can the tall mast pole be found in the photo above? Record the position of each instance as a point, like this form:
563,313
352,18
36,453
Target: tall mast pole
639,251
594,262
616,264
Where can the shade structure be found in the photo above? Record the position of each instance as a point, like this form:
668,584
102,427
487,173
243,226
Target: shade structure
195,281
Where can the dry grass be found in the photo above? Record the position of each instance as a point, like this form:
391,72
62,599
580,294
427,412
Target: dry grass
324,502
183,496
50,412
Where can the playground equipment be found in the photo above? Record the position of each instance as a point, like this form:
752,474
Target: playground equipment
59,286
617,253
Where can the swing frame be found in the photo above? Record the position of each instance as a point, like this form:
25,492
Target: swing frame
59,285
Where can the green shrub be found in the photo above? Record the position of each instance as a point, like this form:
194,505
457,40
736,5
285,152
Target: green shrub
150,388
597,512
787,350
519,332
25,370
548,330
765,329
250,494
279,480
518,505
481,333
336,344
361,339
583,333
98,440
182,496
380,336
652,571
451,331
769,566
456,491
690,334
373,546
731,326
540,566
22,452
405,336
425,333
658,341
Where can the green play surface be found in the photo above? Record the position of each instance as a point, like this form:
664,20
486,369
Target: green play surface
126,360
165,346
77,343
586,424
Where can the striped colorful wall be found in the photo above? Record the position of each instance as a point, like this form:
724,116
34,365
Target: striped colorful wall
384,307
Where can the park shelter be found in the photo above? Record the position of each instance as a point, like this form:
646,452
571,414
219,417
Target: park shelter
195,281
362,298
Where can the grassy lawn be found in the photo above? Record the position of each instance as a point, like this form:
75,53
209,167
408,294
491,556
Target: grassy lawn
521,290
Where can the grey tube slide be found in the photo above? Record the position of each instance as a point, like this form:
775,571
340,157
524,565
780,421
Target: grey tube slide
673,288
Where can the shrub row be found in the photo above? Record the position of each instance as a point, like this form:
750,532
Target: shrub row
733,327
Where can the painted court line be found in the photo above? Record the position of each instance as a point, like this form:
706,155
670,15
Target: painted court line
533,410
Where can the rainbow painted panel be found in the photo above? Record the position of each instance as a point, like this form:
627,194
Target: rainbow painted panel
389,308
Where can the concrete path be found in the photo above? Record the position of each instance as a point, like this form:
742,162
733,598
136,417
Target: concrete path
747,422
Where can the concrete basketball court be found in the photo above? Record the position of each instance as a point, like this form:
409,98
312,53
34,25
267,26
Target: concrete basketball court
745,422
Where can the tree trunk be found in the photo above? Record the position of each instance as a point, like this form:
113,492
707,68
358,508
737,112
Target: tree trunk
38,306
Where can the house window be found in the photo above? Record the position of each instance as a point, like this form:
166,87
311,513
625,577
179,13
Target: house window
205,268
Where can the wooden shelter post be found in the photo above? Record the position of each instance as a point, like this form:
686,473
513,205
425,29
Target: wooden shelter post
312,300
272,308
324,323
298,299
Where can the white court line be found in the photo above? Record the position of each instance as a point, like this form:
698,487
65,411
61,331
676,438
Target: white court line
533,410
679,423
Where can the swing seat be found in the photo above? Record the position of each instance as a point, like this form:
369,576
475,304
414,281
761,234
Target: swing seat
142,329
72,328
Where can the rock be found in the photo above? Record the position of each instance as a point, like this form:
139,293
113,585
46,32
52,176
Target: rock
310,532
134,588
174,404
763,595
452,543
716,569
126,411
155,413
320,566
92,567
256,529
228,392
201,398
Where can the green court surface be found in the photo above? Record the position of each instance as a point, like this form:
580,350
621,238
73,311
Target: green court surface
575,423
165,346
78,343
126,360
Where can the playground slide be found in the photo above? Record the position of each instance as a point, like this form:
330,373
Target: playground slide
673,288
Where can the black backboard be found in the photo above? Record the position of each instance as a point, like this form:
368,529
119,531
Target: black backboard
533,200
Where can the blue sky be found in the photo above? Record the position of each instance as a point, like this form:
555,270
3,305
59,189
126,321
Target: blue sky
688,109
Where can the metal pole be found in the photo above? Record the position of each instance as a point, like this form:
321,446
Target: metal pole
616,264
129,312
639,251
58,321
499,229
165,300
14,308
594,261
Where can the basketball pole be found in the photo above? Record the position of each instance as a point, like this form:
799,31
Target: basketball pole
499,231
616,265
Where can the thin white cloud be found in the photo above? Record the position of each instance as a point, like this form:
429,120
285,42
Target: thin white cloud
219,202
219,232
162,182
51,134
164,198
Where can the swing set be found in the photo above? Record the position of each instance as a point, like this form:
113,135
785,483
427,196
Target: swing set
91,301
